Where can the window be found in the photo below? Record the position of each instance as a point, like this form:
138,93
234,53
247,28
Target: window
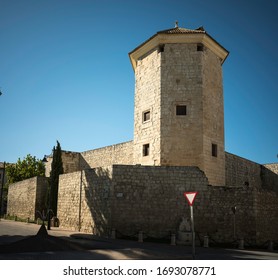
181,110
146,116
214,150
146,150
161,48
200,47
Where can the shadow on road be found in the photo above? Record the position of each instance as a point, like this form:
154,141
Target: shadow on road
78,246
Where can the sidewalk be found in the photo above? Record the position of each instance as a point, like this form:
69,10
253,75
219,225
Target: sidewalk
65,244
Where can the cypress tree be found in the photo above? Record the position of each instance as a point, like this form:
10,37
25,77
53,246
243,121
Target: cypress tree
56,170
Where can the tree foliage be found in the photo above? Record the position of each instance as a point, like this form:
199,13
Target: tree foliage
56,170
24,169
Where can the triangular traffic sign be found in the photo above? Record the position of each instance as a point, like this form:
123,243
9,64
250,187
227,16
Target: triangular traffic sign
190,196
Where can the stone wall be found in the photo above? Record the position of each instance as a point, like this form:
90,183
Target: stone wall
213,118
171,75
273,167
181,85
84,200
121,153
150,198
255,218
241,172
128,198
266,210
225,226
147,99
115,154
27,197
269,179
71,162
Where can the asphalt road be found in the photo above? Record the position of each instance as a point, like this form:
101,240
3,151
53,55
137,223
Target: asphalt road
19,241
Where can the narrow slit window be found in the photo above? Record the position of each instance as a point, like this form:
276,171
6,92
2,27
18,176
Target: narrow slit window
146,116
146,150
181,110
214,150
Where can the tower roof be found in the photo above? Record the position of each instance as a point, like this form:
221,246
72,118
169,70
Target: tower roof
178,35
179,30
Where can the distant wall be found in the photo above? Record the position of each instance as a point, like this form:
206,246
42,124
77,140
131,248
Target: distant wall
242,172
115,154
269,179
273,167
71,162
27,197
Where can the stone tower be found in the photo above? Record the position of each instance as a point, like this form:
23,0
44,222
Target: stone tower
179,112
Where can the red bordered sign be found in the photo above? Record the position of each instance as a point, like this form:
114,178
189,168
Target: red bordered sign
190,197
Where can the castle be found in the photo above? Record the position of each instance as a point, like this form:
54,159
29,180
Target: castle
178,146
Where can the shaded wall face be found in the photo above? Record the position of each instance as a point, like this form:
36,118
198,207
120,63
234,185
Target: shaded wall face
222,223
27,197
242,172
71,162
266,214
128,198
83,200
150,198
213,119
269,177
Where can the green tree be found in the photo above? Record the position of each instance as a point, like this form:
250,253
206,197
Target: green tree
56,170
24,169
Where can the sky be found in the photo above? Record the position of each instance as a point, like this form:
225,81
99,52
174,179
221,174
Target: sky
65,73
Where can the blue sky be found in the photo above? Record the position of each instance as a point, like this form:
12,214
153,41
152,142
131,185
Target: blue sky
65,73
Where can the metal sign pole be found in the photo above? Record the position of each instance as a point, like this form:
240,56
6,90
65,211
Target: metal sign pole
193,233
190,196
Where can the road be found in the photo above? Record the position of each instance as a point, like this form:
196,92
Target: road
19,241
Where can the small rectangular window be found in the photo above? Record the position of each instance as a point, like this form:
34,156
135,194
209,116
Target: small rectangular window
214,150
181,110
200,47
146,116
161,48
146,150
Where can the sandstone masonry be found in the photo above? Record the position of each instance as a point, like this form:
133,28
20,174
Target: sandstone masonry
150,199
178,146
27,197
